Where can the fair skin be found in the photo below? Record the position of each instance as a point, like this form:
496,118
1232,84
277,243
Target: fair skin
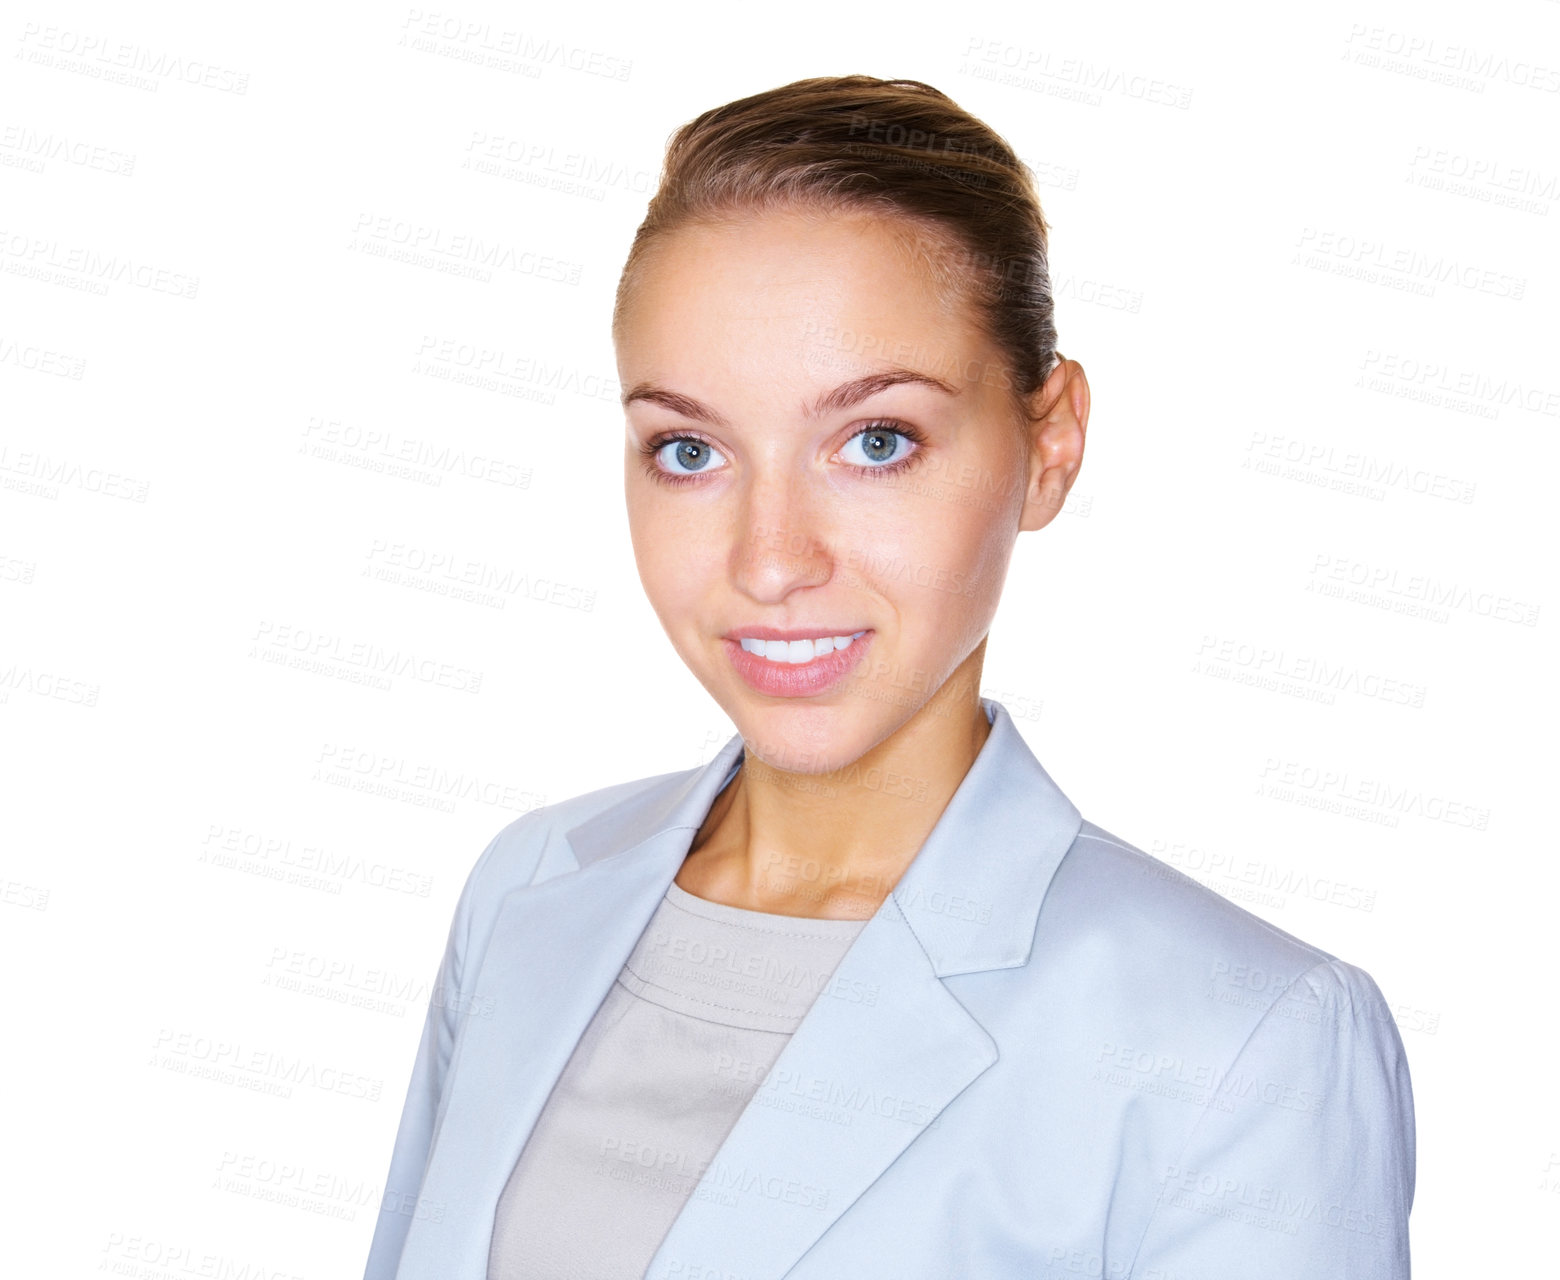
733,334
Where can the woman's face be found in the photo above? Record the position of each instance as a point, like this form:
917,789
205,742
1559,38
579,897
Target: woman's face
784,474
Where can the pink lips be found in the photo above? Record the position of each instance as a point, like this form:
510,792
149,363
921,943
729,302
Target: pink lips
796,680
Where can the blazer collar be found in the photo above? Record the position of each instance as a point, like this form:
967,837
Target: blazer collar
969,910
880,1054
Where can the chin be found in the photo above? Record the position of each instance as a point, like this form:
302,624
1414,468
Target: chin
807,737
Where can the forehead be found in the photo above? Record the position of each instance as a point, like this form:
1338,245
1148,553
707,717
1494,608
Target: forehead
804,289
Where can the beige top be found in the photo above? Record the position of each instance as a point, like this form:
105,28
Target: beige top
701,1010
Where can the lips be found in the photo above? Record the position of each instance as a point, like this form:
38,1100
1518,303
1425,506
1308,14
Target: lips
785,677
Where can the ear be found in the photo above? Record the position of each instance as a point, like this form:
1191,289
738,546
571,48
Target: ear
1059,418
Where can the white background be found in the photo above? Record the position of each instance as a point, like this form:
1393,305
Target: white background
1287,634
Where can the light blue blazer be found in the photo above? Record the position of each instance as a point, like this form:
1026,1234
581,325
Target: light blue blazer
1047,1055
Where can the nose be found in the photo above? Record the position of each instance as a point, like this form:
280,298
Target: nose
781,537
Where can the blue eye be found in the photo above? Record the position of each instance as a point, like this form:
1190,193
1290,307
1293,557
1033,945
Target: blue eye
878,447
686,455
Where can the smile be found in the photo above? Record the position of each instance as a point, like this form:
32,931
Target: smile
801,668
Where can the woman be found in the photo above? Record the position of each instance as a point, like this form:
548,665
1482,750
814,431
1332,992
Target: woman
865,996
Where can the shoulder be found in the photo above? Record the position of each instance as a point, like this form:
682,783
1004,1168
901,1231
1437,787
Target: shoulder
1172,965
1160,902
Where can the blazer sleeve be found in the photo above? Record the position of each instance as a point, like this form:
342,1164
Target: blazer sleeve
420,1115
1302,1165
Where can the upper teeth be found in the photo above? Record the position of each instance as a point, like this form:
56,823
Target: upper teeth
797,650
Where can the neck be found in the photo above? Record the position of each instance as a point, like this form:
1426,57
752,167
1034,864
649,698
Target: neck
832,845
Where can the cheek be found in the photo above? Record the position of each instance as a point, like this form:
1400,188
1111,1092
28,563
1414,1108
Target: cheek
677,556
947,567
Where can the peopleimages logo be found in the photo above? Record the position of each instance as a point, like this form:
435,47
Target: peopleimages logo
262,1070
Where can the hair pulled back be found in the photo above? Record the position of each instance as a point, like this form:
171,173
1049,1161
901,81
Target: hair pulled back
897,147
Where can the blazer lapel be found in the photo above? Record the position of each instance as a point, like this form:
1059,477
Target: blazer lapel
556,948
882,1051
853,1087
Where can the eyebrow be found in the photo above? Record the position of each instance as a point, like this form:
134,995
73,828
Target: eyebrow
842,397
